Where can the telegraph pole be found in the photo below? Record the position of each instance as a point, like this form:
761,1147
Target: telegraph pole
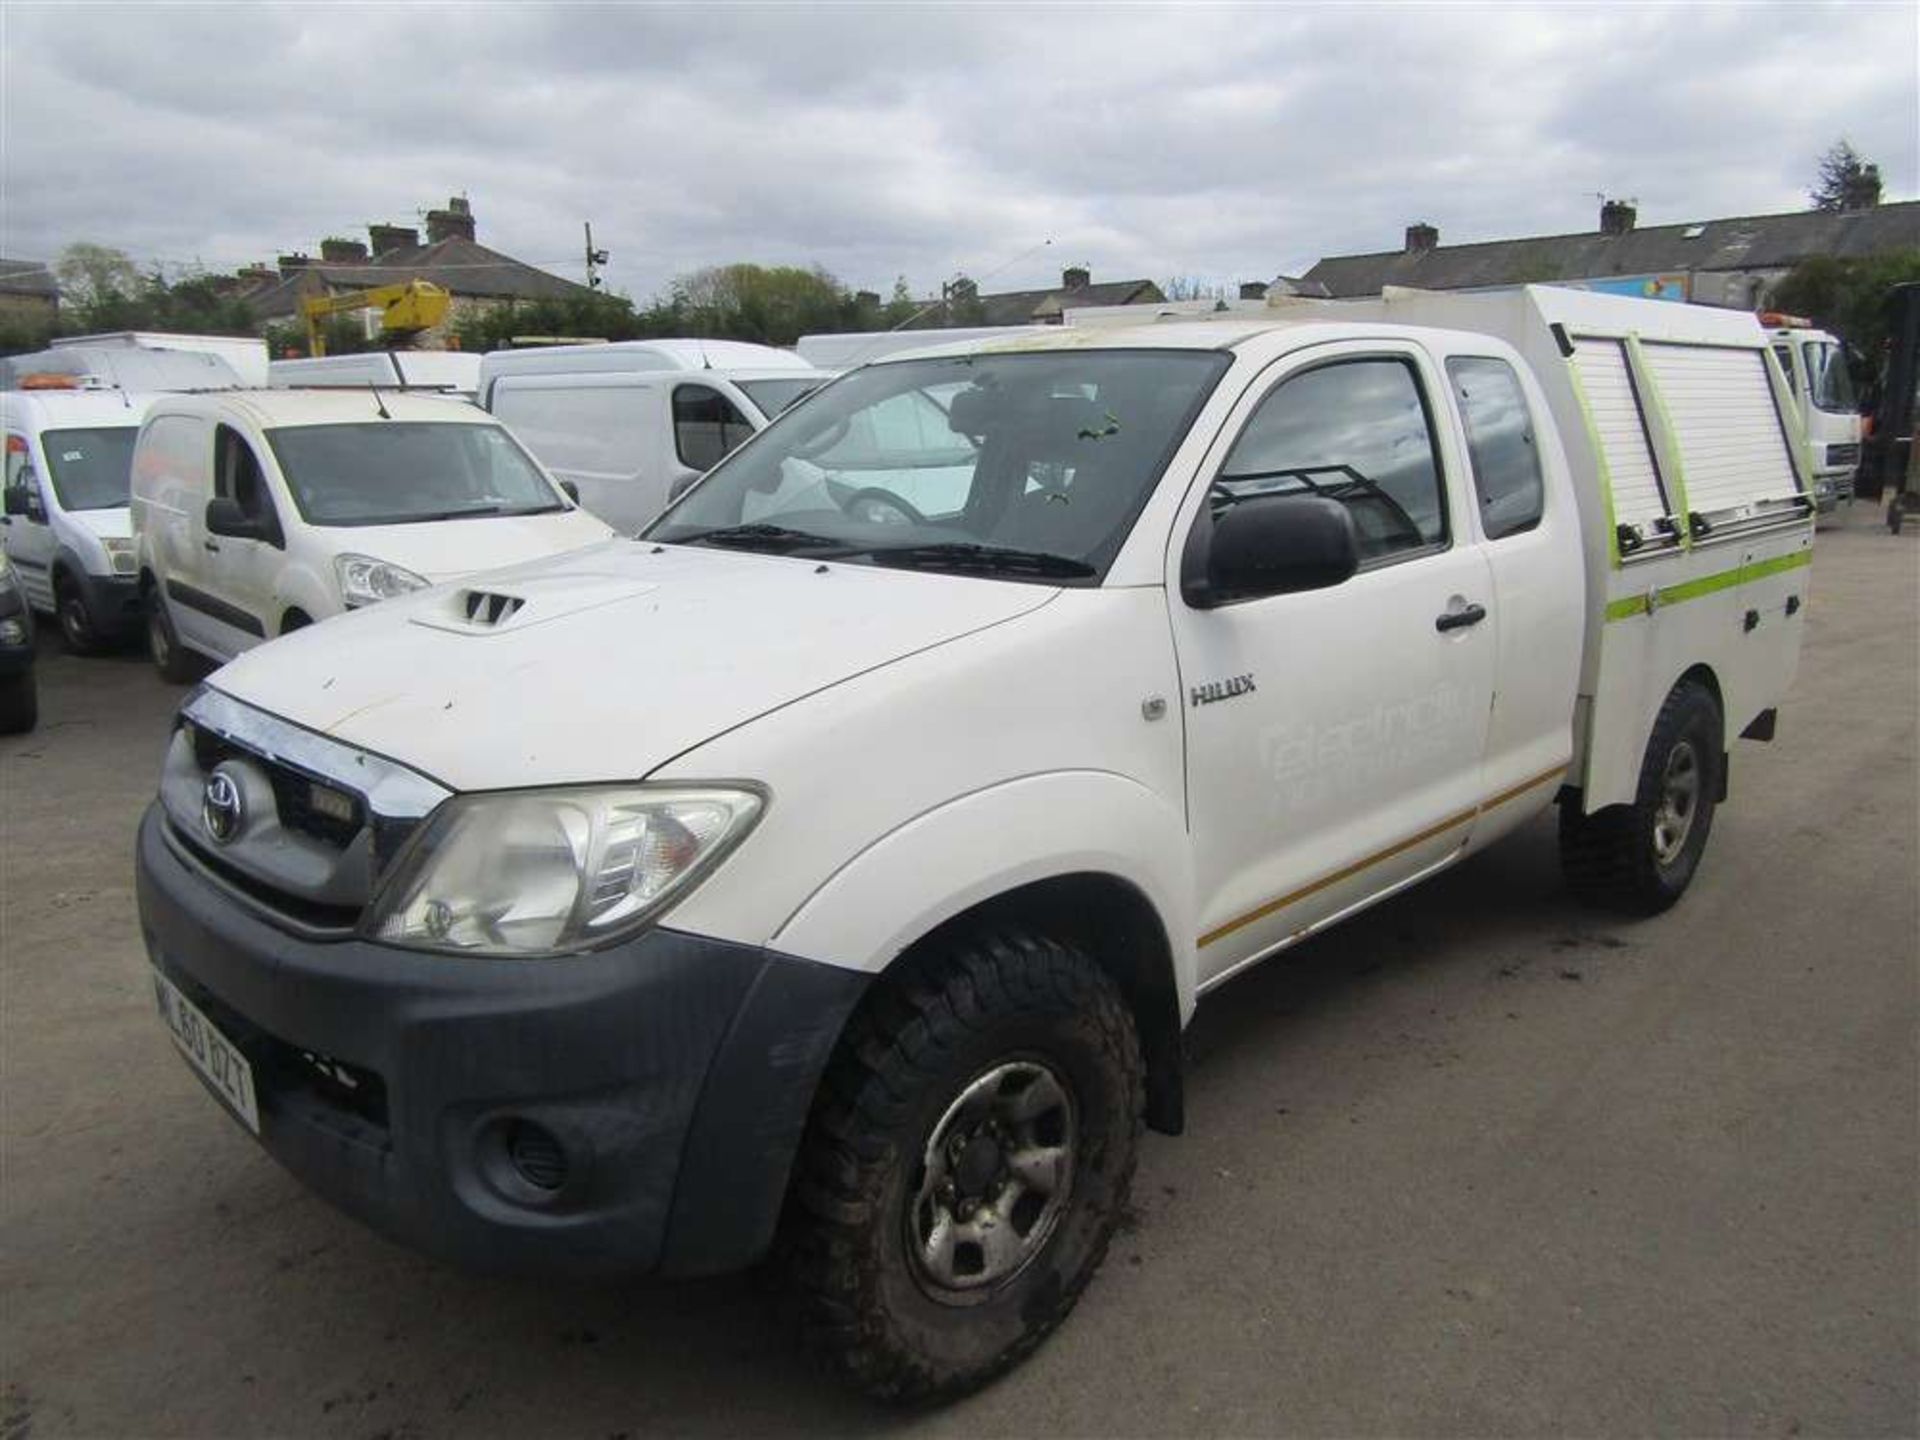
595,259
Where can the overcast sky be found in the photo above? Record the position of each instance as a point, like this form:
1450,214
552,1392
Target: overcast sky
881,140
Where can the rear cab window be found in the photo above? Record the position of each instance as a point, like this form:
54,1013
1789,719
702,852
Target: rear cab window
1502,445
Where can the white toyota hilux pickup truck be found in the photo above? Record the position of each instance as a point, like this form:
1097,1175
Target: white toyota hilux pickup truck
841,859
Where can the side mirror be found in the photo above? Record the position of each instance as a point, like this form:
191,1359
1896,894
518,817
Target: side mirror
225,517
19,500
570,490
1274,545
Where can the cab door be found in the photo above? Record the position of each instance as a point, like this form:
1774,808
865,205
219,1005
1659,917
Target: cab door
26,523
238,572
707,427
1335,736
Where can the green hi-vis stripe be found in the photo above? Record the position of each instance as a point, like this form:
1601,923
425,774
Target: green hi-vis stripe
1708,584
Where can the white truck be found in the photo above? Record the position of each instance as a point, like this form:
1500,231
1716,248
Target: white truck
631,424
852,870
1815,364
245,355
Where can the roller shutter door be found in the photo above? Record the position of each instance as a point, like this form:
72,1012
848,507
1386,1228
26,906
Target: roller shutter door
1722,410
1637,497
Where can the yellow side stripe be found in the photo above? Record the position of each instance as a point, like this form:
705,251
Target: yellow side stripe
1452,822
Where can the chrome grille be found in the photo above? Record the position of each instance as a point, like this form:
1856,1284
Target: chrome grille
318,820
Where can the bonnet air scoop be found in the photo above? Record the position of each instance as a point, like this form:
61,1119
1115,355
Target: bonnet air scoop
514,605
489,608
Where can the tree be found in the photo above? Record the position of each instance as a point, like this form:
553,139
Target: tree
773,304
94,275
1848,297
1844,181
598,316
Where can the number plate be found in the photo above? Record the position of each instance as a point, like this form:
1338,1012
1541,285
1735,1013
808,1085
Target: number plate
219,1062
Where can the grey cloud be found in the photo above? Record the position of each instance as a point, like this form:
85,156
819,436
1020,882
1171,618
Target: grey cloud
1224,142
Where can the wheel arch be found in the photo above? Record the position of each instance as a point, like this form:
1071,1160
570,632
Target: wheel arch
1117,925
1702,674
1091,855
1612,771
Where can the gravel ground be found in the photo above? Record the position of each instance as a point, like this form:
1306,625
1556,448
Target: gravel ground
1477,1163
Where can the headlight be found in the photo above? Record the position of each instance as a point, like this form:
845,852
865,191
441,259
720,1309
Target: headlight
530,872
363,579
119,554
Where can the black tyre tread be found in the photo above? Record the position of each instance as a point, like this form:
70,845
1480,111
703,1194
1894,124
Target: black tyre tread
87,642
180,667
19,704
1602,856
907,1025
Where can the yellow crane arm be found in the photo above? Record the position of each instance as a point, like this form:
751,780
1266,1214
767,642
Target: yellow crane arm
405,309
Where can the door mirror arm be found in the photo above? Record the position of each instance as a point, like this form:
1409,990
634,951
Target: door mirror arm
1268,545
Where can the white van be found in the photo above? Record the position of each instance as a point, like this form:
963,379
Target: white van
632,423
456,372
258,513
1815,364
66,527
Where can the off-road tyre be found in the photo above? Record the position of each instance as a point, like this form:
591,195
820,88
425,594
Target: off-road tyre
1612,858
176,666
76,623
920,1040
19,704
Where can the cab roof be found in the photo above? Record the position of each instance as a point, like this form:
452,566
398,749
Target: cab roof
96,408
270,409
727,357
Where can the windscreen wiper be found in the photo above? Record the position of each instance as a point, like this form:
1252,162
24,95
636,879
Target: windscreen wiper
758,536
985,559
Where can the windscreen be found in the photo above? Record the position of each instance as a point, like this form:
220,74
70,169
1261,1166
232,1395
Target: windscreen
396,472
91,468
1828,382
773,396
1022,466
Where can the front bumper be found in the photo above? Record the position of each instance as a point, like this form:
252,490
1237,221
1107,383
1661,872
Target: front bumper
113,604
673,1074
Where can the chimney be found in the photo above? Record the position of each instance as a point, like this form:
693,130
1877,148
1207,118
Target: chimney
290,263
1421,238
1253,289
343,252
456,219
1617,217
393,237
1075,277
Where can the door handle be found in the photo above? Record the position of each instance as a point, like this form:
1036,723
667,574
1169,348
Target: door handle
1460,619
210,545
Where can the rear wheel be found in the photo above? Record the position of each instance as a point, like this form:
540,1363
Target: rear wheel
175,665
19,704
76,623
1640,858
966,1163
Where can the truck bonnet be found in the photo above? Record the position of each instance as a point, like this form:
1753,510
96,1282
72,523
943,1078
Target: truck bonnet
602,664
